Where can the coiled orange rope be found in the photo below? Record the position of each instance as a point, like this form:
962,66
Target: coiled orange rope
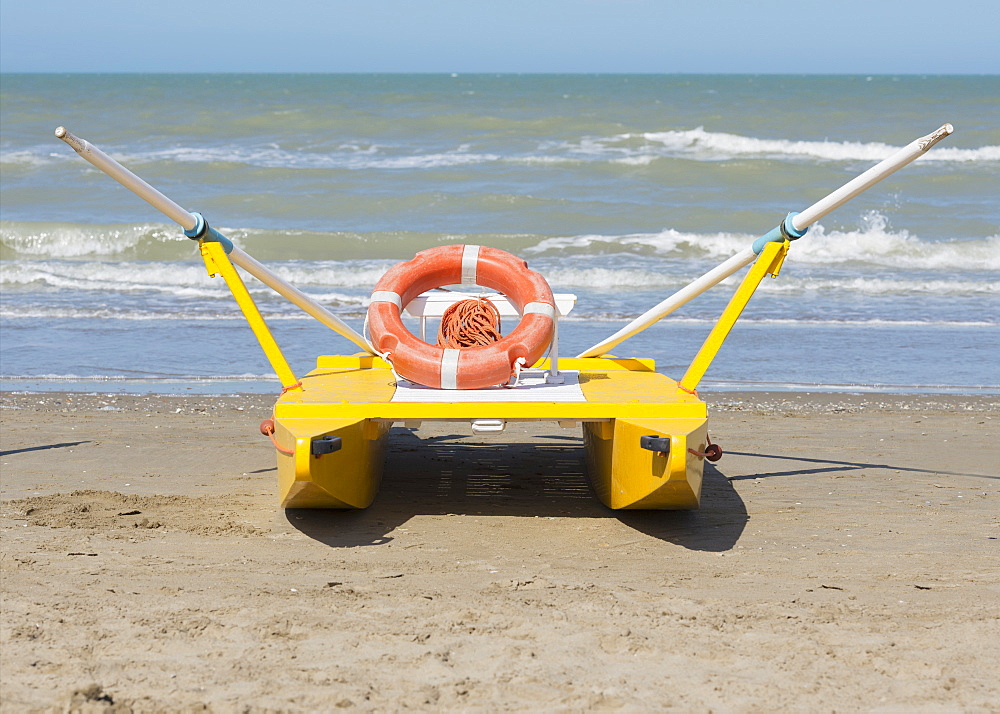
469,323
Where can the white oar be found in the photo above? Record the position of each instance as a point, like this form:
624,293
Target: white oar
192,221
794,225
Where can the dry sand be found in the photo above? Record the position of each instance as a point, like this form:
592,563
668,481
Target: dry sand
846,557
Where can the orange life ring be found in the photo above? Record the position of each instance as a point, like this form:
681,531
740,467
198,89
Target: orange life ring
469,367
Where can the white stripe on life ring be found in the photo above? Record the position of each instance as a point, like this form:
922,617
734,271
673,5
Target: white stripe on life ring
539,308
470,264
449,369
387,296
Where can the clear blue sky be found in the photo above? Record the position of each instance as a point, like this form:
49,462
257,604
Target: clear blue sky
660,36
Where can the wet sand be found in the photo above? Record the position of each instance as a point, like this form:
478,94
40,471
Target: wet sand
846,557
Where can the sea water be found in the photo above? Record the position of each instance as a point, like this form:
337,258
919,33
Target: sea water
619,189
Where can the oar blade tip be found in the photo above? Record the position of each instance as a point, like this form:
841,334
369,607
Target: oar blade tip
931,139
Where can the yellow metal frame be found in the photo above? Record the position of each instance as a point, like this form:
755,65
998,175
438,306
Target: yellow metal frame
768,263
218,263
352,397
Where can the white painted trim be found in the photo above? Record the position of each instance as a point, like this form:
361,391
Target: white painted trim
449,369
539,308
387,296
470,264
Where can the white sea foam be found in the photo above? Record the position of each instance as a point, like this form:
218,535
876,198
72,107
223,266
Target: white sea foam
581,315
83,313
669,242
874,323
811,321
160,241
178,279
429,161
662,261
347,157
630,148
635,148
604,279
743,385
191,281
874,243
183,280
876,286
699,144
70,240
326,273
35,157
344,157
172,379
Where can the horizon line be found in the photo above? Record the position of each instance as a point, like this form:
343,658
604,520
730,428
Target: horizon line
455,73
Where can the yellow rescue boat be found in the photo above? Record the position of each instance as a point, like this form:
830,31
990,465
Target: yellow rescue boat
646,435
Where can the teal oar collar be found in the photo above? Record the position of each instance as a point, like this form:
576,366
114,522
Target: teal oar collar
782,232
203,231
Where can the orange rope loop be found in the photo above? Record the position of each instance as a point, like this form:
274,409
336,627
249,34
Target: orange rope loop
267,429
712,452
469,323
689,391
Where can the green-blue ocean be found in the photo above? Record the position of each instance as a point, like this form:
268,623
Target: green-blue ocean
619,189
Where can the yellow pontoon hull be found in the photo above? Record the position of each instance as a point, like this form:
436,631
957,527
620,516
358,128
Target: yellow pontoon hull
355,398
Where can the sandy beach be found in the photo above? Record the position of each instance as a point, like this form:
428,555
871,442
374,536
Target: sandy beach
846,557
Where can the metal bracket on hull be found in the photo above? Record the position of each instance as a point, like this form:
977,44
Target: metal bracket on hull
652,442
325,445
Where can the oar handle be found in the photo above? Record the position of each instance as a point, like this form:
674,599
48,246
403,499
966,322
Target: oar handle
129,180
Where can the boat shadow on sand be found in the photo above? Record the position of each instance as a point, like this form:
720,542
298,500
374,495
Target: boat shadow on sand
434,472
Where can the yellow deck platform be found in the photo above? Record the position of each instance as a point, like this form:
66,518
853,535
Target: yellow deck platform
356,398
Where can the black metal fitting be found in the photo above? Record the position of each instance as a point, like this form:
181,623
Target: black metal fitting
326,445
652,442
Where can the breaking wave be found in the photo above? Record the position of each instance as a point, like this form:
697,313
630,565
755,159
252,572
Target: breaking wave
637,148
699,144
873,243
